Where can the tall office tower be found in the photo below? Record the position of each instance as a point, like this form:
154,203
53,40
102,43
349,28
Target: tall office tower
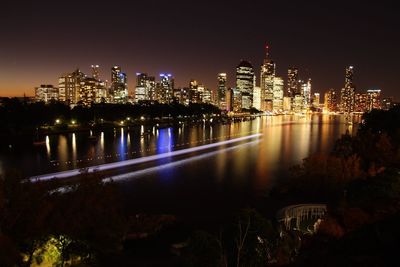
165,89
245,83
347,93
96,72
316,100
287,104
360,102
257,97
206,96
229,100
221,91
331,101
292,85
119,85
267,82
194,92
91,91
306,93
277,103
237,100
297,105
69,87
374,99
145,87
46,93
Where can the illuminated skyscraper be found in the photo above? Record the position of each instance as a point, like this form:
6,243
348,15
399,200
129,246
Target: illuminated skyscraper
267,82
69,87
278,86
306,93
316,100
145,87
347,93
257,97
96,72
374,99
292,85
360,102
165,89
330,101
221,91
245,83
119,85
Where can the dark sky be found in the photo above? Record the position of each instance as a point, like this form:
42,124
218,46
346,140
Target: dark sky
39,40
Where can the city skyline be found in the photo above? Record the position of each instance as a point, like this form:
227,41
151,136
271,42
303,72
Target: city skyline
199,44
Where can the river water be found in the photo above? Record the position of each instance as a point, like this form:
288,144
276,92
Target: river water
225,177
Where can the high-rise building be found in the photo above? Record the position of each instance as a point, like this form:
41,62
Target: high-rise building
96,72
257,97
91,91
347,93
165,89
221,91
69,87
374,99
277,103
331,101
267,82
360,102
306,93
316,100
46,93
229,100
287,104
245,83
119,85
145,87
292,85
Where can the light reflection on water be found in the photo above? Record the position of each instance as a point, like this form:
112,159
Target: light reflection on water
286,140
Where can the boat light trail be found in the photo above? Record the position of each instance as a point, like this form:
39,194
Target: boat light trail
130,175
125,163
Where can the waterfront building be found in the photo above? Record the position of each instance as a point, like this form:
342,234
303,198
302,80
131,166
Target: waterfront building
145,87
374,99
119,85
245,83
69,87
267,82
278,88
229,100
257,97
292,85
221,90
347,93
331,101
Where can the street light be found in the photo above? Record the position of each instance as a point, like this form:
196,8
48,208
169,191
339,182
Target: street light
73,122
58,121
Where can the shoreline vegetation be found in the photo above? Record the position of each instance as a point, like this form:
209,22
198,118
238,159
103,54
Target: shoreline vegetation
359,181
20,118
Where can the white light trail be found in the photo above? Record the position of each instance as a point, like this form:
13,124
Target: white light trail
130,175
114,165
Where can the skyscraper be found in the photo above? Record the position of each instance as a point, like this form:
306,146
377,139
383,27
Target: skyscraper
292,86
306,93
330,101
165,89
96,72
145,87
221,91
267,81
347,93
373,99
245,83
69,87
119,85
278,86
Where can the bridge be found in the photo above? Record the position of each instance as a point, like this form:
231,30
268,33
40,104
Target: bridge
299,213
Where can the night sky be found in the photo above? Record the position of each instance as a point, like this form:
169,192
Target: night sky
39,40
